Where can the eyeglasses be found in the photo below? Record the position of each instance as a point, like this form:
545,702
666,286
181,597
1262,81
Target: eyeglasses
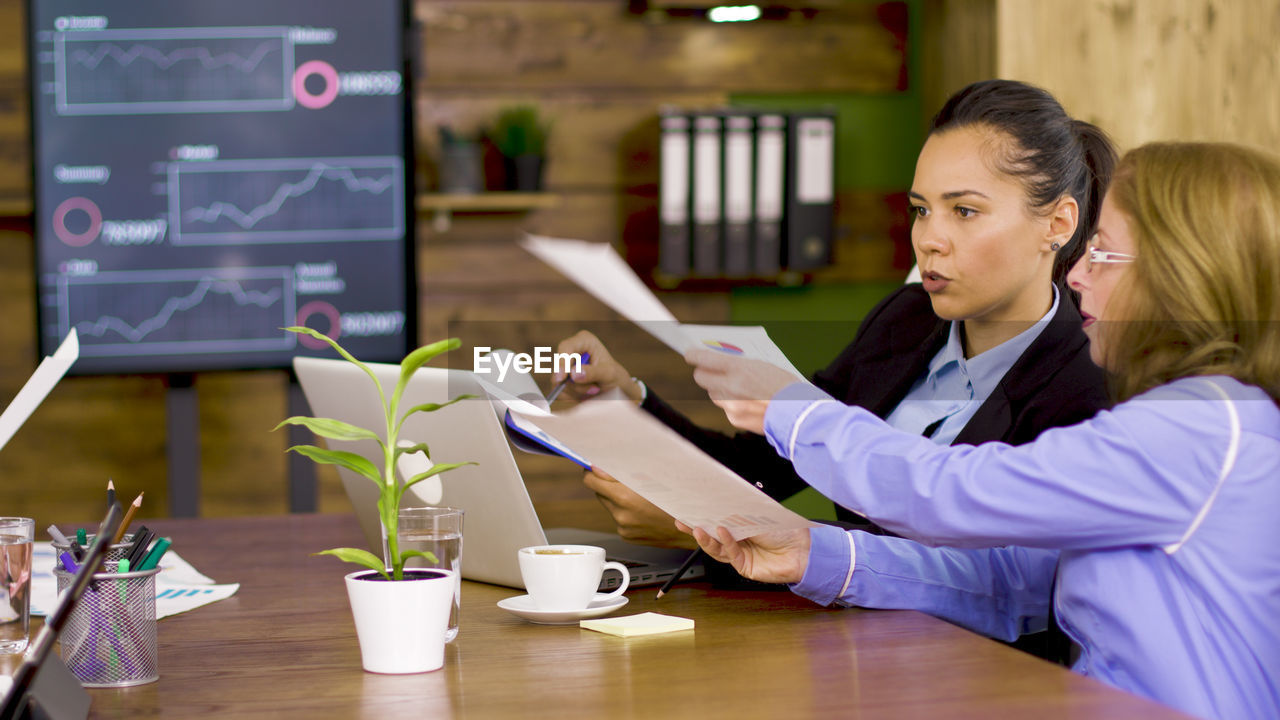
1104,256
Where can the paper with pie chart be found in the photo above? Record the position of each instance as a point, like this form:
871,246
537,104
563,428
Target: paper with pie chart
598,269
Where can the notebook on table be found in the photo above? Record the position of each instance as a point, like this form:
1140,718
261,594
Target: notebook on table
500,517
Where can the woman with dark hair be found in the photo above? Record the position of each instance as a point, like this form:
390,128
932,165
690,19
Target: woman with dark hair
988,346
1163,509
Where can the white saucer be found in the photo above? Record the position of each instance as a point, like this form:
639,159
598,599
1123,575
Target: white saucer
522,606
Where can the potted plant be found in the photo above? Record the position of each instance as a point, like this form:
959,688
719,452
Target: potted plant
400,615
521,136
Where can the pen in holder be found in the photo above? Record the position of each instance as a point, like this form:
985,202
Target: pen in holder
115,552
110,638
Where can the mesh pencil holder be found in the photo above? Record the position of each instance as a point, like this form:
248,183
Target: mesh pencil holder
110,638
115,551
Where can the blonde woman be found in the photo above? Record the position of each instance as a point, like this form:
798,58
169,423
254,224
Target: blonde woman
1164,508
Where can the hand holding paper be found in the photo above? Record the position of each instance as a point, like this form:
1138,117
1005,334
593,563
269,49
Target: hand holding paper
598,269
742,387
664,468
773,557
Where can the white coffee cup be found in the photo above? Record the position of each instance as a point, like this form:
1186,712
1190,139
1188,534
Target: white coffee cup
564,578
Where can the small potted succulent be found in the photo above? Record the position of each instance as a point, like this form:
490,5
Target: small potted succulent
521,134
400,615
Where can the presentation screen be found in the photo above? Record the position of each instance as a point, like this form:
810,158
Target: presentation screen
209,173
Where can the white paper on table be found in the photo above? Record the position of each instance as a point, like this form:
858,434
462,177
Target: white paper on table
601,271
666,469
598,269
179,586
47,374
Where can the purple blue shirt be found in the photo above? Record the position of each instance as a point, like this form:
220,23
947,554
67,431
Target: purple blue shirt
1161,515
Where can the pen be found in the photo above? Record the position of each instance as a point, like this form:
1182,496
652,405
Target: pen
82,537
128,518
69,564
560,386
57,536
138,548
684,567
111,492
157,552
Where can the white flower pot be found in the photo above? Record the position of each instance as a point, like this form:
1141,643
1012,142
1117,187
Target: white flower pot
401,625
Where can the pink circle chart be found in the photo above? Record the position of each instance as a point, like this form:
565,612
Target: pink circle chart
326,72
84,205
319,307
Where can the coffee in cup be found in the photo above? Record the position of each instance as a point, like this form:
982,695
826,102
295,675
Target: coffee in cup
564,578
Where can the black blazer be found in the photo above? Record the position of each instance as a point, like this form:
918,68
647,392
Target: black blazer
1053,383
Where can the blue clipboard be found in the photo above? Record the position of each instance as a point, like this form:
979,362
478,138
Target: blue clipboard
531,439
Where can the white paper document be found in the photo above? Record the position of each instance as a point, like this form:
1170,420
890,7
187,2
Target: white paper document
601,271
664,468
598,269
179,586
49,372
749,341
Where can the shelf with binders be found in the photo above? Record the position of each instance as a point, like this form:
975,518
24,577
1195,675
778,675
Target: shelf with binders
746,196
443,206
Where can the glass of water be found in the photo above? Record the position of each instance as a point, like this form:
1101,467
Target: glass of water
16,534
437,530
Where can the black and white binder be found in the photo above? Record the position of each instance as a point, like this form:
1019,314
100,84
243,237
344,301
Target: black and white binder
738,181
673,190
707,195
810,213
770,197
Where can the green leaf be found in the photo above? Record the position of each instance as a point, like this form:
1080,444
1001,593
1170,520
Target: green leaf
429,407
330,428
435,470
304,330
342,458
417,359
358,557
411,449
430,557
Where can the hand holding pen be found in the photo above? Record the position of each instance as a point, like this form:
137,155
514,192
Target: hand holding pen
560,386
602,373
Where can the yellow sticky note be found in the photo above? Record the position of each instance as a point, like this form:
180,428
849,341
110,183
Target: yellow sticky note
643,624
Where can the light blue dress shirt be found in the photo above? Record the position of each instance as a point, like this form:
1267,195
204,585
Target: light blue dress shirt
1164,511
953,387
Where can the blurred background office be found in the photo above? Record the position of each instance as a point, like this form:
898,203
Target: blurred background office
597,73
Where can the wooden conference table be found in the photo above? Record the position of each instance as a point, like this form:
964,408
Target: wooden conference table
285,646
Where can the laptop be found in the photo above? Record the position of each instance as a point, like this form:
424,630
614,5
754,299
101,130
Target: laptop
500,518
42,687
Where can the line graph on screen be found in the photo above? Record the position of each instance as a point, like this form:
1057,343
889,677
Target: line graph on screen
286,200
173,70
190,310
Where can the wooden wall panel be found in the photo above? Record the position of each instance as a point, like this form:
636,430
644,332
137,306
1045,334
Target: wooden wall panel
549,46
15,155
958,47
1175,69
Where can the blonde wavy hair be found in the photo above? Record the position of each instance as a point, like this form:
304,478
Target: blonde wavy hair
1204,296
